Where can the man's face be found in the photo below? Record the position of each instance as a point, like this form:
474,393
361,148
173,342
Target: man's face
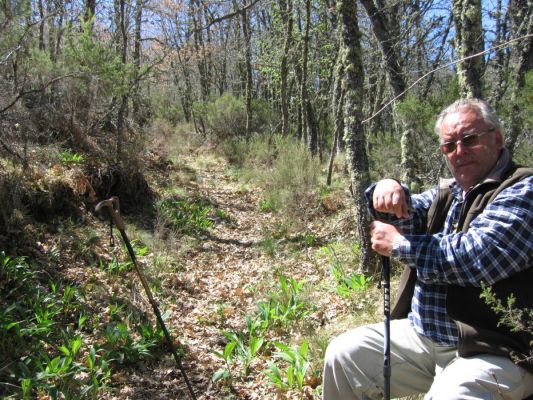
470,164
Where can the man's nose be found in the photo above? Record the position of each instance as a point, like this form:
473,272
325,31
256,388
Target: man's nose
460,149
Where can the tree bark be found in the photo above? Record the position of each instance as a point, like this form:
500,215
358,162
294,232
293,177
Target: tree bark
468,41
352,85
382,28
381,25
137,60
521,14
308,112
248,67
286,16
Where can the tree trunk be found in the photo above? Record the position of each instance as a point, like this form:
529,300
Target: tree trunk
137,61
41,25
286,15
522,55
338,102
310,131
248,63
502,56
123,108
196,15
468,41
381,26
352,84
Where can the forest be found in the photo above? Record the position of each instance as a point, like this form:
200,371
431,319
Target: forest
237,138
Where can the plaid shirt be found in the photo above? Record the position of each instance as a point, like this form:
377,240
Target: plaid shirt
497,245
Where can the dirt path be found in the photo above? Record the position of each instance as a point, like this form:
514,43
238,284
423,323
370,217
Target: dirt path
212,292
219,281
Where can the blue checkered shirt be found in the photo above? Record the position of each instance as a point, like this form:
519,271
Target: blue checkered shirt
497,245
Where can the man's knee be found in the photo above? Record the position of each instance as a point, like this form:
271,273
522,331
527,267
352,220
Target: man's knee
350,346
483,377
347,367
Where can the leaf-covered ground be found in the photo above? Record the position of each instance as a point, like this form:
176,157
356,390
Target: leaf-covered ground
218,278
208,281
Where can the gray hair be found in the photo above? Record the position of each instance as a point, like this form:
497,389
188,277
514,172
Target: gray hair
480,107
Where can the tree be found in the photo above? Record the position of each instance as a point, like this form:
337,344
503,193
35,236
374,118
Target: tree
468,41
352,87
286,16
522,61
248,67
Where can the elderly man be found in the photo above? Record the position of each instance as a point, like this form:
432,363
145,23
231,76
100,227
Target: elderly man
474,229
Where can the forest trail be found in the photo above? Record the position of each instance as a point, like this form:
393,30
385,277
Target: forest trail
218,281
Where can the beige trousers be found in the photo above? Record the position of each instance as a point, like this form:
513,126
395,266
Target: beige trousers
353,368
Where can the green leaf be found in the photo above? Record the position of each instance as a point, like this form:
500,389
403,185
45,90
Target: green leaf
228,350
221,374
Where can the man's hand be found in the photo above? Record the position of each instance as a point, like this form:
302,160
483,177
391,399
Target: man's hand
389,197
383,236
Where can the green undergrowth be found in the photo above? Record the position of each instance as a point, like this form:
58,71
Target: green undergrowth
54,339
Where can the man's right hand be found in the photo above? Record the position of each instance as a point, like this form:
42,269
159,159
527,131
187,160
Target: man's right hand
389,197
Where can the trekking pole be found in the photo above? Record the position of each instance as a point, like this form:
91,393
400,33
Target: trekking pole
385,277
112,207
385,271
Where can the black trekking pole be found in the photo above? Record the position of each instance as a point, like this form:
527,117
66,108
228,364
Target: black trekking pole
112,207
385,277
385,271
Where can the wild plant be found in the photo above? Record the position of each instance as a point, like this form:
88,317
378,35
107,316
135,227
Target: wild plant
68,158
292,366
99,373
287,304
186,216
37,352
241,346
225,373
122,348
115,266
347,284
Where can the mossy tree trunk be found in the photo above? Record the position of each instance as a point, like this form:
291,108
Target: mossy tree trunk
308,113
137,60
248,67
522,61
286,16
354,135
468,41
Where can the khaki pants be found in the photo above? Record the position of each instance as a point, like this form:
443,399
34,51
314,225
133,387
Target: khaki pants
353,368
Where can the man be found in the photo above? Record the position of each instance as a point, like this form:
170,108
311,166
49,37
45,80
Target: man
473,230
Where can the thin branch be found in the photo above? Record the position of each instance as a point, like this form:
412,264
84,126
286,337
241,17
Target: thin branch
443,67
227,16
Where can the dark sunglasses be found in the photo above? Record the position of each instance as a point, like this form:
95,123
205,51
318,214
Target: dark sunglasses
468,140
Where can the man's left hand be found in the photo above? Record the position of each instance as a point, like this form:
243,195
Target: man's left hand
383,236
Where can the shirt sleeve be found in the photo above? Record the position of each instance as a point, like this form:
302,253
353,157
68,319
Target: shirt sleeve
497,244
418,205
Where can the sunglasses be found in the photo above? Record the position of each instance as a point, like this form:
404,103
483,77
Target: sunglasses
468,140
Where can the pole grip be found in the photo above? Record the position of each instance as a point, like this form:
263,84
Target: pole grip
112,207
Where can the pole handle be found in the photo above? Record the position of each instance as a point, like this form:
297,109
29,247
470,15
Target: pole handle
112,207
